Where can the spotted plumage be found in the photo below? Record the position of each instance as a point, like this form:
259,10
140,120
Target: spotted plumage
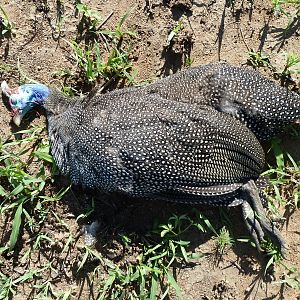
144,147
181,139
263,106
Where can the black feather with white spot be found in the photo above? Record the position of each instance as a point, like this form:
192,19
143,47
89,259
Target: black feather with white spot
153,147
263,106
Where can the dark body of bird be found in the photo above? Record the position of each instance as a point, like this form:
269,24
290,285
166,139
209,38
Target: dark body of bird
151,146
182,138
263,106
157,148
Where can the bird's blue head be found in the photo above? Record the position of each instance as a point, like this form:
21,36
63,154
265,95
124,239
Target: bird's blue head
24,97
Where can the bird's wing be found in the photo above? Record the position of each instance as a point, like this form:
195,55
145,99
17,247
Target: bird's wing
222,154
187,148
148,145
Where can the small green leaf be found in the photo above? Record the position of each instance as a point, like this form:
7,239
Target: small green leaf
173,283
208,224
269,263
196,255
278,153
16,227
107,285
44,156
293,162
2,191
17,190
84,259
154,285
184,253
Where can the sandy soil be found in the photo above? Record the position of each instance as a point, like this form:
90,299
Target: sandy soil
212,31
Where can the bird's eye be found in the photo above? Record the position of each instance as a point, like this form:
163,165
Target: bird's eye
13,101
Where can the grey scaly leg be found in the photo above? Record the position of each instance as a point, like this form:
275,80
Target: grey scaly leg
252,224
257,222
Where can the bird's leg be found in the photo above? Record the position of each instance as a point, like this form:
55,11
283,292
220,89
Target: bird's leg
252,224
90,233
256,220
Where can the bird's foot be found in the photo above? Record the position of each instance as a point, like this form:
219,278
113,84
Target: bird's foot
90,233
256,220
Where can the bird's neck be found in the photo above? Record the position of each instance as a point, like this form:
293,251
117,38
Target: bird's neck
57,103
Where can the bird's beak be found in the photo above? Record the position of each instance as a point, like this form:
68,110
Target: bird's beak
17,114
6,90
17,118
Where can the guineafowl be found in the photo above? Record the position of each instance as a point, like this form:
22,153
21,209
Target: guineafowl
154,148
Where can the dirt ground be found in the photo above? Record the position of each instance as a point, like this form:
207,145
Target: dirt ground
212,31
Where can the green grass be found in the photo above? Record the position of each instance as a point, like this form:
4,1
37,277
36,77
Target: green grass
291,10
24,201
291,65
91,19
92,67
283,194
258,59
290,276
224,240
100,54
150,276
5,25
22,192
285,179
279,7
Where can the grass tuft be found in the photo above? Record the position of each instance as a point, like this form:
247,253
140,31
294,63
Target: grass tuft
5,25
102,56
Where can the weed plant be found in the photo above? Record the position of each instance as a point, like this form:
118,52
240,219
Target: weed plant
5,25
279,7
258,59
291,66
150,276
22,192
291,10
105,54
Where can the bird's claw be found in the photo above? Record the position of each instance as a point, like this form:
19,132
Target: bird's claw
90,233
256,221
